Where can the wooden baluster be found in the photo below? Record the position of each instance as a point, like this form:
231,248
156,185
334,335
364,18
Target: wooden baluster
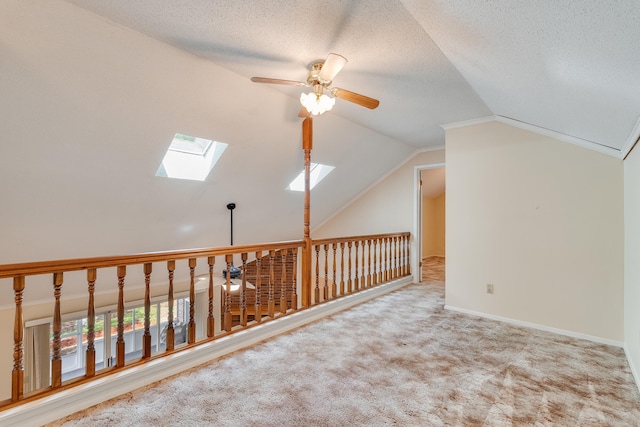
375,262
383,266
403,252
396,257
356,282
325,288
243,291
369,281
407,242
334,290
146,335
56,360
283,283
228,319
390,255
170,340
316,290
91,324
349,282
342,268
17,375
258,308
211,261
192,301
381,262
294,281
122,271
272,278
392,270
408,255
363,280
401,256
390,263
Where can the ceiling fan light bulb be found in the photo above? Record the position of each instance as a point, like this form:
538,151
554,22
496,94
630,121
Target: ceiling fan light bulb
316,104
326,102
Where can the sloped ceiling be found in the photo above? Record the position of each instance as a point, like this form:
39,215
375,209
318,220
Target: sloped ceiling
92,92
570,67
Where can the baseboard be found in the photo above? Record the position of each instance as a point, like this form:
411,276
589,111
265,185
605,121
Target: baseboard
514,322
77,398
634,371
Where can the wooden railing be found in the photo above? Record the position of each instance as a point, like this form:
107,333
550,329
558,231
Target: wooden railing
341,266
349,264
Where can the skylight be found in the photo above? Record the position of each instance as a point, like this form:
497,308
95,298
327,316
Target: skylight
317,174
190,157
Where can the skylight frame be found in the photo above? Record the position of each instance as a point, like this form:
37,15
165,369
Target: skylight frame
195,162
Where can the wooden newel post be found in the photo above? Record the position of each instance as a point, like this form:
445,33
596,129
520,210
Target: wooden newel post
17,375
307,145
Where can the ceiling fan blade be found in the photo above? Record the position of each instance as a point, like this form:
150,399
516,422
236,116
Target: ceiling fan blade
277,81
332,66
356,98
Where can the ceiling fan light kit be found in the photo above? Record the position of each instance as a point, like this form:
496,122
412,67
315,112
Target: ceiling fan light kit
320,78
317,104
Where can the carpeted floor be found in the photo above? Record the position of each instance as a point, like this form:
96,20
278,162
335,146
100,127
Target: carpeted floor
398,360
433,269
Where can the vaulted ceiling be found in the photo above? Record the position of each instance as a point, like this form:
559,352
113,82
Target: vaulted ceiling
93,91
570,67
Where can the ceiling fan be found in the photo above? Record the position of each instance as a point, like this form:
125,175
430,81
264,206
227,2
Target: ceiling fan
320,78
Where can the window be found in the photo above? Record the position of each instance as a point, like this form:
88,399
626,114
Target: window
73,340
190,157
317,174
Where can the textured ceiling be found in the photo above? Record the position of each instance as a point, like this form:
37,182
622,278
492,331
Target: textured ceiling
569,67
391,57
94,90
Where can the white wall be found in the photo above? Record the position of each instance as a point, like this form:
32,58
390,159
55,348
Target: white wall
541,220
88,110
388,206
632,261
385,207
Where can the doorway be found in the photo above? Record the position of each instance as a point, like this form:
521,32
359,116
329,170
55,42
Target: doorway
432,224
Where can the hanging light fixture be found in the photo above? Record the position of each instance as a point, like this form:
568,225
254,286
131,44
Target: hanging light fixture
317,102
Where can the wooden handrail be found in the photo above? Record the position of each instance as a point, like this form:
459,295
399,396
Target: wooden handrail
45,267
389,252
358,238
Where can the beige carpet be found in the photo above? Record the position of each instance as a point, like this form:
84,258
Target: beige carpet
398,360
433,269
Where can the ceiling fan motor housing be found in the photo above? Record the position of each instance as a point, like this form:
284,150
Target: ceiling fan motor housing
313,78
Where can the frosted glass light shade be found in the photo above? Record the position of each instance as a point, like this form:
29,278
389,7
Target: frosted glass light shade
317,104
